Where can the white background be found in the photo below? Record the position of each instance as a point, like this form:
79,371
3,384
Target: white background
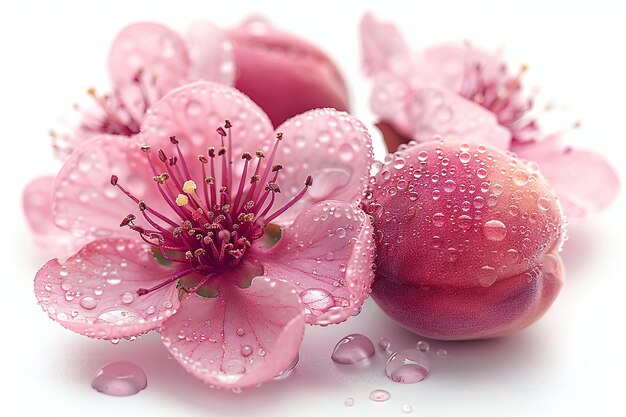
570,363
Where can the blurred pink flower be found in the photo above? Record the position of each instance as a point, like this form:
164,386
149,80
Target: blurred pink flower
284,74
251,245
146,61
467,237
464,93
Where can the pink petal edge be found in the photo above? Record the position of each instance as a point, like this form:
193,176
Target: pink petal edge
331,146
328,254
94,292
86,203
152,49
242,337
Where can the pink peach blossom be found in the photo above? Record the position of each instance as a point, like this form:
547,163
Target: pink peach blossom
146,60
468,240
284,74
464,93
227,251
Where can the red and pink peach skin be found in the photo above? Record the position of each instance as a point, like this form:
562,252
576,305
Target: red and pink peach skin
468,239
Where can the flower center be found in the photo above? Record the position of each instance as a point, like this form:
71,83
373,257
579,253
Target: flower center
497,93
213,225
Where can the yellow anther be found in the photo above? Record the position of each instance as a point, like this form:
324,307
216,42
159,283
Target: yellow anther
189,187
182,200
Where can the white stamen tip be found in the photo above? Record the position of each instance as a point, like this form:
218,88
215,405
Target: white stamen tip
189,187
182,200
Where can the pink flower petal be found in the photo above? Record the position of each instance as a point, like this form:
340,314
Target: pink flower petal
86,203
440,112
193,112
152,49
384,48
331,146
328,253
242,337
459,67
37,203
210,52
391,101
584,181
94,292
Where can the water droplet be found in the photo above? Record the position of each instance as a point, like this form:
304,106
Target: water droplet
423,346
88,303
494,230
408,366
117,316
442,352
543,203
246,350
380,395
407,409
289,369
399,163
346,153
349,402
317,299
119,379
438,219
481,173
449,186
341,232
465,157
127,298
384,344
520,177
422,156
240,332
327,181
488,276
352,349
465,222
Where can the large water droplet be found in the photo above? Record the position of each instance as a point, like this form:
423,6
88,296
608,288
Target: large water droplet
289,369
352,349
520,177
119,379
327,181
88,303
408,366
317,299
380,395
494,230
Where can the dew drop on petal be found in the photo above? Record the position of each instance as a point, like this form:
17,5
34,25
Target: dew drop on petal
119,379
289,369
407,409
380,395
349,402
352,349
408,366
317,299
88,303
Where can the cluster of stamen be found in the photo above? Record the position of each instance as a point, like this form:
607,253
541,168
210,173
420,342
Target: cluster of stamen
118,114
213,225
499,94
